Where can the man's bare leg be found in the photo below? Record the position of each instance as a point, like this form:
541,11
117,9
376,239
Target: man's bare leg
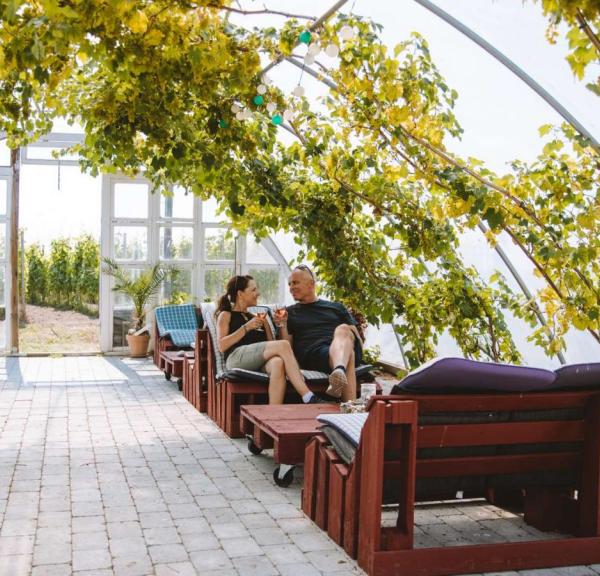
341,354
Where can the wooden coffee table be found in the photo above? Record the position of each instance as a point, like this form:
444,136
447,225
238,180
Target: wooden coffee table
173,364
285,428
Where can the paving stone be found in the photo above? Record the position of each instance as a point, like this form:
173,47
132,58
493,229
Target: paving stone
166,553
139,565
22,545
284,554
51,554
232,530
175,569
52,570
236,547
161,535
301,569
127,547
90,540
91,559
19,564
217,559
256,566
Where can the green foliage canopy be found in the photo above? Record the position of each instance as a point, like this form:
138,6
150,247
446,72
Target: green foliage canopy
369,186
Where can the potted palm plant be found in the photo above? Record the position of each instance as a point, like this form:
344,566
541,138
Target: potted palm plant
140,290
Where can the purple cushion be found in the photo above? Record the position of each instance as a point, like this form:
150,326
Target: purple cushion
578,375
447,375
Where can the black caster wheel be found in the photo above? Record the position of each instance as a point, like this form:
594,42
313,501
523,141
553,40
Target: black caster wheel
252,447
285,480
167,375
180,384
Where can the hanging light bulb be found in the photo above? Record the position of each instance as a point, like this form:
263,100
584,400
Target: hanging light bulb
347,32
271,107
314,49
287,114
239,114
305,37
247,114
277,119
235,108
332,50
309,59
299,91
266,80
261,89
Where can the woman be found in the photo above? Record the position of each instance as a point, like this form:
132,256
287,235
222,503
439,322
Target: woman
247,342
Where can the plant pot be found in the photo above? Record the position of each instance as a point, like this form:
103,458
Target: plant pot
138,345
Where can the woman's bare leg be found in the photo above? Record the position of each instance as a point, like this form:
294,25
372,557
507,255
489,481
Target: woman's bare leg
283,350
276,371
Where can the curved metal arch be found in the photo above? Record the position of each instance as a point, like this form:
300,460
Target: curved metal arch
518,71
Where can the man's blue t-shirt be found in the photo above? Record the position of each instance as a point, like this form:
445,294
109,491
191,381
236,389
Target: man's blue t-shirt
313,325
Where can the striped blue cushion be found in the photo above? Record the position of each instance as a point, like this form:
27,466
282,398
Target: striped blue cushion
178,322
349,425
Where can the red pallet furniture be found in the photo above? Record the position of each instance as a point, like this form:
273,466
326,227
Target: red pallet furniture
225,397
194,375
346,499
285,428
161,343
172,362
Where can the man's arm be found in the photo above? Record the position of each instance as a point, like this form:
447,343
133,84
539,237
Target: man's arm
284,334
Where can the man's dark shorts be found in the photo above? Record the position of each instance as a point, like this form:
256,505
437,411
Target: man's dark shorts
317,357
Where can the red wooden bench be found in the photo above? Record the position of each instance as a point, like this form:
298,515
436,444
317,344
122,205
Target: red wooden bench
194,375
226,397
285,428
395,450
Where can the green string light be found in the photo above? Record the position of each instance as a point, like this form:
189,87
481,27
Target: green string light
305,37
277,119
258,100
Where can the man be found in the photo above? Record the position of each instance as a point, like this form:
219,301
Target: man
323,334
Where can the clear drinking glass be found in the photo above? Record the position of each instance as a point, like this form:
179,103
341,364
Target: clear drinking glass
262,314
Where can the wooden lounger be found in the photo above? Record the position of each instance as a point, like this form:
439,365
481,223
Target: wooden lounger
544,446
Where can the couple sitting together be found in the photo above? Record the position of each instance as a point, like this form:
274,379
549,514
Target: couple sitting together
321,335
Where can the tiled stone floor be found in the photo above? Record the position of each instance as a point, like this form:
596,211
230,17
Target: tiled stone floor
106,469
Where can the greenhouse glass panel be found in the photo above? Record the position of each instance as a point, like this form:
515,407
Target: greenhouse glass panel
176,243
131,200
2,309
209,210
177,287
130,242
256,253
123,316
178,206
267,281
4,154
2,241
219,244
3,197
215,280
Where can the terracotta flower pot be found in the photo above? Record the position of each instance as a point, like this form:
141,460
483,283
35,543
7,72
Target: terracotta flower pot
138,345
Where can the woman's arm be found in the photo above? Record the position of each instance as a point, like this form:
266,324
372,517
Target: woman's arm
225,340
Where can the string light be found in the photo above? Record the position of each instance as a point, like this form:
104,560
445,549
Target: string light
305,37
299,91
332,50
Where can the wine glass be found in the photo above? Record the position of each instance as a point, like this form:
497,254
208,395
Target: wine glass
280,313
262,314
